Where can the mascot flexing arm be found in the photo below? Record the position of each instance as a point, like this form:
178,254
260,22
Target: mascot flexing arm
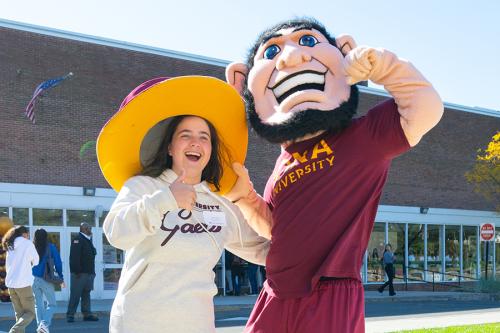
320,202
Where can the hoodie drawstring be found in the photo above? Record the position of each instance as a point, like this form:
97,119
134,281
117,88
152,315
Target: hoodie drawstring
210,234
216,197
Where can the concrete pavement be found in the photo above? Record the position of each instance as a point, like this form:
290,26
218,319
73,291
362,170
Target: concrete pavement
373,324
432,320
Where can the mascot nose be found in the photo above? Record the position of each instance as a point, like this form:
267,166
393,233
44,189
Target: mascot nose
292,56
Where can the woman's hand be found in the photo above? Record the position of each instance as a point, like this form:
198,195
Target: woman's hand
184,194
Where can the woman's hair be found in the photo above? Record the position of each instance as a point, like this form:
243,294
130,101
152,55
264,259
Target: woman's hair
40,241
387,245
162,160
11,235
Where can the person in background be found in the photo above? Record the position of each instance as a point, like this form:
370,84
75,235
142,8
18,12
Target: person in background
21,256
252,278
82,266
42,288
375,254
238,273
228,261
262,271
388,261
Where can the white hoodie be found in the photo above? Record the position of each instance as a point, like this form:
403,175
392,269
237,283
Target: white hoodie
19,263
167,280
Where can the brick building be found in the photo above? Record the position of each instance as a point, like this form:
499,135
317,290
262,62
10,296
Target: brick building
428,211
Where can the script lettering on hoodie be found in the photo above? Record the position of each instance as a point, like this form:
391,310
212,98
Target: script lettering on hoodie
186,227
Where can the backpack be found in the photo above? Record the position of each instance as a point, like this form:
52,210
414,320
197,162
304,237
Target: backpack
50,274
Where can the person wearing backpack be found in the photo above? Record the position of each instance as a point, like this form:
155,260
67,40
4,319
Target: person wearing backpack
44,284
21,256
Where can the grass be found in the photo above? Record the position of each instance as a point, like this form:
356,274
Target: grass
484,328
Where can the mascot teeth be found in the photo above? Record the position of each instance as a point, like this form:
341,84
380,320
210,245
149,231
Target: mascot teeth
298,81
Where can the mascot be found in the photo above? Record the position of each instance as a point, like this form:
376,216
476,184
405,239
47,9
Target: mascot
320,202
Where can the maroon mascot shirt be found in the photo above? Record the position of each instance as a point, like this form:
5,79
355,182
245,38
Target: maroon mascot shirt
324,194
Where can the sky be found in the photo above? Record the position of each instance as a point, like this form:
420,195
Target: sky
454,43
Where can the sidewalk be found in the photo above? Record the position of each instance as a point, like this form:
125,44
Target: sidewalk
234,303
103,307
431,320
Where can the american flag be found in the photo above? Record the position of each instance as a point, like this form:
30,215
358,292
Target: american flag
30,109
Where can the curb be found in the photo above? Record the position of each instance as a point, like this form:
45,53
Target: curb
60,315
460,297
235,307
78,316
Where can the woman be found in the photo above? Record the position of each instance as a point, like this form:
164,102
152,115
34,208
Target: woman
21,256
388,261
41,287
174,228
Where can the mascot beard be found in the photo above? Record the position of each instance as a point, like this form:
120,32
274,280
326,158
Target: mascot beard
304,122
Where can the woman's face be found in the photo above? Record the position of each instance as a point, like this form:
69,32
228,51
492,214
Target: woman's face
191,148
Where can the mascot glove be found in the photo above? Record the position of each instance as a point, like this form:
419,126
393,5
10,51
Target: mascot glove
362,63
243,188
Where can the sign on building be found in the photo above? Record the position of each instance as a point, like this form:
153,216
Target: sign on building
487,232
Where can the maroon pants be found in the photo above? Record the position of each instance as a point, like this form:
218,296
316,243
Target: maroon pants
335,306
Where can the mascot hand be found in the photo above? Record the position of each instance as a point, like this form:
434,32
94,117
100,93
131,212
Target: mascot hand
361,63
243,187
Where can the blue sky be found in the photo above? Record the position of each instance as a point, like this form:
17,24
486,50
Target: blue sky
454,43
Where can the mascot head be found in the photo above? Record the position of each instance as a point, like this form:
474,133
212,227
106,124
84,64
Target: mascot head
293,82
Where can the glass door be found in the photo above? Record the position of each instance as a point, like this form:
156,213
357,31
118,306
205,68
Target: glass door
56,236
109,263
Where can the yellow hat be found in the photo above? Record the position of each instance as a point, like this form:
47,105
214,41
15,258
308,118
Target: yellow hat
133,134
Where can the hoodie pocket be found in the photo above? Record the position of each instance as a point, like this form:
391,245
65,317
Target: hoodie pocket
134,279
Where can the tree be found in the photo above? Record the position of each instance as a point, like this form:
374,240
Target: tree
486,172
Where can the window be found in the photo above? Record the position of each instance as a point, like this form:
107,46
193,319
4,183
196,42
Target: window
397,241
4,211
487,259
452,256
75,217
102,218
497,254
47,217
374,256
470,251
110,254
20,216
416,258
111,278
434,252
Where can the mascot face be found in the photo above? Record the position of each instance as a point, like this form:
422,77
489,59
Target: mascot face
296,70
294,84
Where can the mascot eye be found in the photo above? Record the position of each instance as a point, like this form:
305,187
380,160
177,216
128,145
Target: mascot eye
308,40
271,51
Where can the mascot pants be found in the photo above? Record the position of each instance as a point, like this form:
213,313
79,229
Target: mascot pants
334,306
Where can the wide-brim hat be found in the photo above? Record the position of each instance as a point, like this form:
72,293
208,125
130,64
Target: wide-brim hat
133,135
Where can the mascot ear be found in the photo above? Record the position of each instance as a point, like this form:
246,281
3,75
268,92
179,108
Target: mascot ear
345,43
236,73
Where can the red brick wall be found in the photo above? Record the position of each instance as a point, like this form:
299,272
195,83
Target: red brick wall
72,113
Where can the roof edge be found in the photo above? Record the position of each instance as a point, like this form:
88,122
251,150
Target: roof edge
110,42
190,57
453,106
